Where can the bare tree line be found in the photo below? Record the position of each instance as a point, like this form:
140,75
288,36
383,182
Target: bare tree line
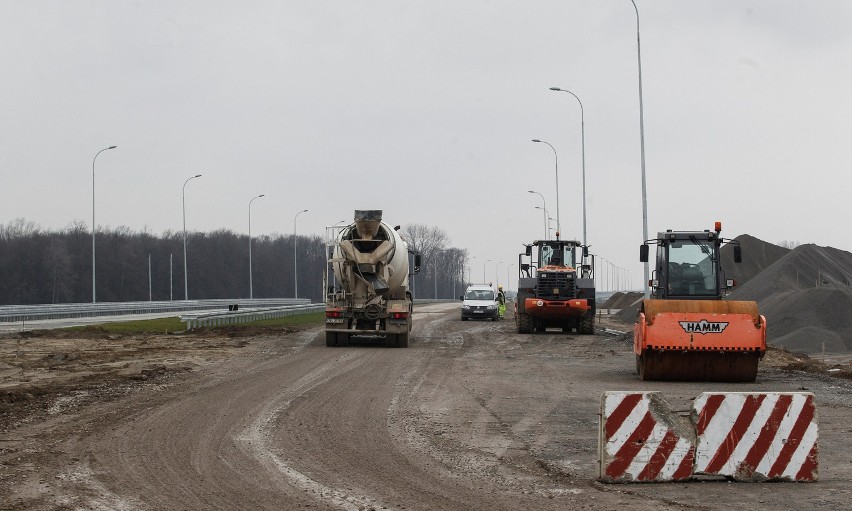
41,266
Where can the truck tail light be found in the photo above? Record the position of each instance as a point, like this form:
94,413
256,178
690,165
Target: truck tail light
399,315
333,314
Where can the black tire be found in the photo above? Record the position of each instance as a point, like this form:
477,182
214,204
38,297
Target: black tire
402,341
343,339
587,325
464,318
524,324
330,339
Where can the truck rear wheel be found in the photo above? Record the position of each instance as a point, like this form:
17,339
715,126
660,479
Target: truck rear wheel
402,340
342,339
331,339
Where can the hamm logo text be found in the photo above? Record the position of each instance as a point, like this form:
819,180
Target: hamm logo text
703,327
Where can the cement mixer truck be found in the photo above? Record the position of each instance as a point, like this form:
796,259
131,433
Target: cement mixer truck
368,295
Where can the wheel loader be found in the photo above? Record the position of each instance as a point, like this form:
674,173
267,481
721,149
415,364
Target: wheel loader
552,293
687,331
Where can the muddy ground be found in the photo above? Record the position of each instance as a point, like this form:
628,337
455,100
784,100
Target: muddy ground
471,416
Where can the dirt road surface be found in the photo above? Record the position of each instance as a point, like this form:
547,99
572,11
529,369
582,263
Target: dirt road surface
471,416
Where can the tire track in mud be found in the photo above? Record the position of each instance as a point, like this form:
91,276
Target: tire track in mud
200,446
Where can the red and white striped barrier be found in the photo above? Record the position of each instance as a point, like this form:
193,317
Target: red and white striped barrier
756,436
642,440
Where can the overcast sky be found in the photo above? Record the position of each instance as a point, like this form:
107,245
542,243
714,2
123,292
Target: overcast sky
426,109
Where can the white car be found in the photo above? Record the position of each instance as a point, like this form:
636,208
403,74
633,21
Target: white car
479,302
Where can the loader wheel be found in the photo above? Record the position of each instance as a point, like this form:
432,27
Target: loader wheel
524,324
587,325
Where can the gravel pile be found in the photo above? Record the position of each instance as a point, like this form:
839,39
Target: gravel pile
620,300
806,298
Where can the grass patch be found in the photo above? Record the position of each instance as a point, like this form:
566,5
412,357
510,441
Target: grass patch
145,326
174,324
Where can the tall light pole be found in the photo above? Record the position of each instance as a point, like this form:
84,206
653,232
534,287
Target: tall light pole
251,282
546,223
642,145
485,278
556,157
94,299
543,211
497,272
183,203
469,275
435,267
509,275
295,262
583,149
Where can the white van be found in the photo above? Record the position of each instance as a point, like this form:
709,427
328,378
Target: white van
479,302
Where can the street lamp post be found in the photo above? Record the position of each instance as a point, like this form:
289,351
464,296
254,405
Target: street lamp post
583,149
546,222
484,277
94,296
497,272
556,157
435,280
642,148
183,203
295,262
251,281
543,211
509,275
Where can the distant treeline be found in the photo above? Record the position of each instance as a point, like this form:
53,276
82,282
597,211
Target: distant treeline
38,266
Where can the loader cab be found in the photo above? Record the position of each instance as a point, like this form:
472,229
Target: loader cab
687,266
561,254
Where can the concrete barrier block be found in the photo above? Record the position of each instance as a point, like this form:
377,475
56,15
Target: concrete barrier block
642,440
756,436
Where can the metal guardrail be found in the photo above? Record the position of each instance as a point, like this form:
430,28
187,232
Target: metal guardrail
212,319
22,313
249,315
